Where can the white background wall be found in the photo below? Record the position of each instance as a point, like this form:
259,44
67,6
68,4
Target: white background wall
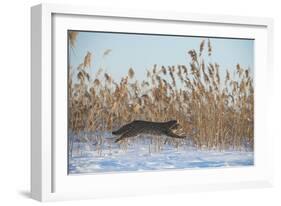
15,100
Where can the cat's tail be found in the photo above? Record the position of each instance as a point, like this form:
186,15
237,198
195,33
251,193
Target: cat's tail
123,129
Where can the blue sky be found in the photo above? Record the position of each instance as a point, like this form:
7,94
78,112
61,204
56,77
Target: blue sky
141,52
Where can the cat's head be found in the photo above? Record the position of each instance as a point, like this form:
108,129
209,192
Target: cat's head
172,123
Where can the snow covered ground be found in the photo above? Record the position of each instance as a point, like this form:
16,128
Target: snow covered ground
88,157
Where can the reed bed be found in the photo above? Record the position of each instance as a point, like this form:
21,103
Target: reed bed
214,111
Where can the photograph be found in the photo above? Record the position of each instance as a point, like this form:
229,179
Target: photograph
142,102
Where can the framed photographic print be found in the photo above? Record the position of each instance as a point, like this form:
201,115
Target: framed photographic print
135,102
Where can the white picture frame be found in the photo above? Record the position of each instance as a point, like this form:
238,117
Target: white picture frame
49,179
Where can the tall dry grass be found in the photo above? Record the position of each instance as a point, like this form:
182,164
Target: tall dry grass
215,111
